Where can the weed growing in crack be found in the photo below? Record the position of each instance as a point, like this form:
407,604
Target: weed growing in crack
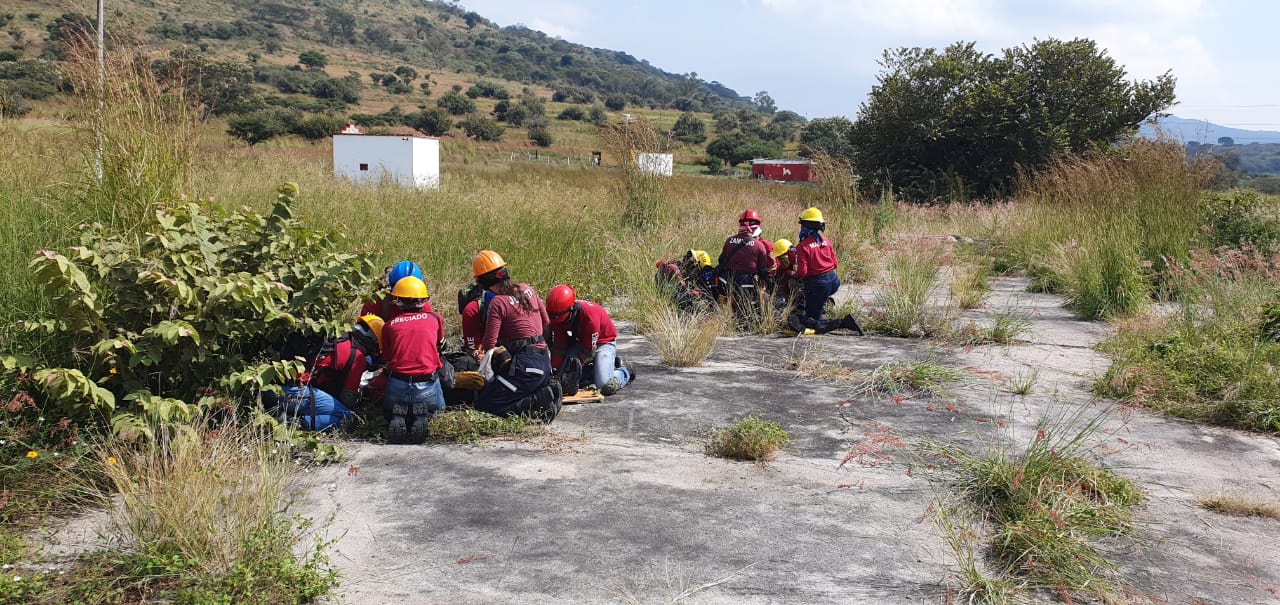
920,377
751,438
1024,382
1043,507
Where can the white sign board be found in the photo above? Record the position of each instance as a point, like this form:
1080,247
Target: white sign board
655,163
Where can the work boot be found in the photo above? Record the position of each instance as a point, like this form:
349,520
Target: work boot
397,427
421,425
796,323
611,387
631,371
851,323
570,376
555,404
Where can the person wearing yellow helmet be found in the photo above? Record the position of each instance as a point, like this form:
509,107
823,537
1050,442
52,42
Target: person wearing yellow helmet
323,396
411,349
815,267
688,280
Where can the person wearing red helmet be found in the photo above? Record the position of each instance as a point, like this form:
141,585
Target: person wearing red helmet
516,321
744,262
582,330
411,349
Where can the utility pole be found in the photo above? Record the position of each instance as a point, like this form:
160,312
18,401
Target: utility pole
102,83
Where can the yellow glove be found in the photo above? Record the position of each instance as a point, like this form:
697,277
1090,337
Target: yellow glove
471,381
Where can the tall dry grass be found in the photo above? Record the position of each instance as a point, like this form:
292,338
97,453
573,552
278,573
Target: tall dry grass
1105,225
144,129
205,494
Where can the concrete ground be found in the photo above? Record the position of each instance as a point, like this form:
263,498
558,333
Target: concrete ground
617,502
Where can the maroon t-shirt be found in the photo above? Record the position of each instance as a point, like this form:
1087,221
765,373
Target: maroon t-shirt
743,253
507,320
411,343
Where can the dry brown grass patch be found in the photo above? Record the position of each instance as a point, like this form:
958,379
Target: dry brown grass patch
1240,505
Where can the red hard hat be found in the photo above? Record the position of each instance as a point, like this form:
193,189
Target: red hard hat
559,300
749,215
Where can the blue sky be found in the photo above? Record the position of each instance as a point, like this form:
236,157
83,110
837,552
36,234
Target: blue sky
818,57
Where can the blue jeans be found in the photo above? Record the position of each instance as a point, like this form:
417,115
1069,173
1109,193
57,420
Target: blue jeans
314,409
817,290
604,360
413,395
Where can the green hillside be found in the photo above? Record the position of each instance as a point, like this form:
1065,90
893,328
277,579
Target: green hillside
373,35
304,67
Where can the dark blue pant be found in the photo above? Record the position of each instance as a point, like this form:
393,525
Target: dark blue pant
530,371
817,290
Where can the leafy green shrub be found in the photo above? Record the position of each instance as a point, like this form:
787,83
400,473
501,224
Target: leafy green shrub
1241,217
481,128
572,112
751,438
188,315
456,104
540,134
488,90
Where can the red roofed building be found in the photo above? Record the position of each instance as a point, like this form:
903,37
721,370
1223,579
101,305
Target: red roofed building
782,170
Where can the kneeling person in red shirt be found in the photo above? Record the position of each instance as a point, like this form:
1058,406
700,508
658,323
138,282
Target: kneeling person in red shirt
411,349
582,330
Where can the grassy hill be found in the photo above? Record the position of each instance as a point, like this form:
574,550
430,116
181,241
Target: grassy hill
368,58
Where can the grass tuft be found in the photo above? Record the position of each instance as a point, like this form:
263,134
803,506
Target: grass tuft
684,339
922,377
471,426
751,438
902,302
1046,506
204,512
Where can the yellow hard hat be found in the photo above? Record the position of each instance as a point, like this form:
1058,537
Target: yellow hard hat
781,246
812,214
704,259
364,326
485,262
410,287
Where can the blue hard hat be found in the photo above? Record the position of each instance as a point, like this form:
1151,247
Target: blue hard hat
403,269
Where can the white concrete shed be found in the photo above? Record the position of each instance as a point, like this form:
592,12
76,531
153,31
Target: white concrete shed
410,160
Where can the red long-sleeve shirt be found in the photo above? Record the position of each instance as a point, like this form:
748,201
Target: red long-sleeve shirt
593,328
813,258
507,320
411,343
327,375
472,326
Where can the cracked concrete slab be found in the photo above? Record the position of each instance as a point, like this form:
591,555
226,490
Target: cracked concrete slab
617,503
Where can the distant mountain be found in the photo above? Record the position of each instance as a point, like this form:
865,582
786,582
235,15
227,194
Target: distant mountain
1201,131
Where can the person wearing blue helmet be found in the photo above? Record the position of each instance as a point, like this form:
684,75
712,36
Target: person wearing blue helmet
380,303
